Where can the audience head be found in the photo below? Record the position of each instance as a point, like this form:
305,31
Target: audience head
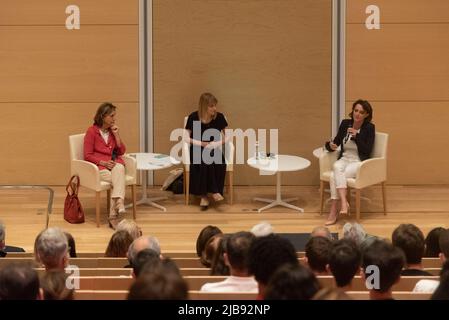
409,239
146,259
218,265
322,231
442,291
204,236
51,248
142,243
317,254
53,284
2,236
71,244
444,245
344,261
366,108
355,232
433,243
160,284
266,255
19,282
118,244
388,259
292,282
210,250
103,110
131,227
262,229
237,252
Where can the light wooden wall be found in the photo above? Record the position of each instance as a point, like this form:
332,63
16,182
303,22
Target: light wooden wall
268,63
53,79
403,70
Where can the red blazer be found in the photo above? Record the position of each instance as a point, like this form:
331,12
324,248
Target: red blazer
95,149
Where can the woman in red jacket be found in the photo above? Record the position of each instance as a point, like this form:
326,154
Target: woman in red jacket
104,147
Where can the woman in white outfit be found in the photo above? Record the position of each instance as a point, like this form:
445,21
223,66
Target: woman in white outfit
356,139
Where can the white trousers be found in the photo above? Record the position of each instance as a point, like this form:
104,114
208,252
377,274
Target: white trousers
117,178
342,169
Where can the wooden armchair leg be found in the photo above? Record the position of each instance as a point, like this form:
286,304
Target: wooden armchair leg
384,197
186,182
231,187
97,207
357,204
133,195
321,196
108,204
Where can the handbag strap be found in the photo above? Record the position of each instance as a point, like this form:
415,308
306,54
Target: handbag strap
74,187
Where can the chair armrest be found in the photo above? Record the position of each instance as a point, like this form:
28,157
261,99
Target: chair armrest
185,153
88,172
326,161
130,167
371,171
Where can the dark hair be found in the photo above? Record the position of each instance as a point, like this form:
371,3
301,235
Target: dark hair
205,234
71,244
410,239
18,281
53,283
210,249
267,254
317,253
292,282
344,261
118,244
161,284
389,260
366,107
237,249
145,261
103,110
444,243
433,243
218,266
442,291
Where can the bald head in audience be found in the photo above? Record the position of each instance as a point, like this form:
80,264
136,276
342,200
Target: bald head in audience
322,231
142,243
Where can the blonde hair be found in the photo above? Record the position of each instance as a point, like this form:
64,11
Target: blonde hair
206,100
131,227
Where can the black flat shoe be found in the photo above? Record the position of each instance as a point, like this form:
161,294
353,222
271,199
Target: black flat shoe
204,208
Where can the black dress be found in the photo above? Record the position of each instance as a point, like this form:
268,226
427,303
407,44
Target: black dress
206,178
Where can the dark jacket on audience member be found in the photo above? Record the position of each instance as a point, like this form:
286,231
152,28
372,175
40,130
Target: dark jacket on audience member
414,273
7,249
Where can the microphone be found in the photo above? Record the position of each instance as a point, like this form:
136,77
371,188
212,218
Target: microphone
348,136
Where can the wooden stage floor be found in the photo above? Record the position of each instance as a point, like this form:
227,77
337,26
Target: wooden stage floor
23,213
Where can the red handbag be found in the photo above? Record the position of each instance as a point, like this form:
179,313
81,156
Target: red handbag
73,211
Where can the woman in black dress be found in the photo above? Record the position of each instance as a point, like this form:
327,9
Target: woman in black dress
207,164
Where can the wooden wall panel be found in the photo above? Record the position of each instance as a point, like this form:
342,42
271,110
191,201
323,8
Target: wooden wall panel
52,12
268,63
402,70
400,11
48,63
35,138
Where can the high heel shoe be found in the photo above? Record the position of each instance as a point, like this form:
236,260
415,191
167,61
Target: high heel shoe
348,210
332,222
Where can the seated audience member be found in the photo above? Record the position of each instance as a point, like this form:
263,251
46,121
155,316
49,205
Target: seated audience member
344,262
71,244
4,249
317,254
331,294
444,245
355,232
146,259
140,244
53,284
410,240
322,232
19,282
262,229
131,227
160,284
292,282
51,249
118,244
218,266
236,258
210,250
266,255
205,234
388,261
442,292
432,243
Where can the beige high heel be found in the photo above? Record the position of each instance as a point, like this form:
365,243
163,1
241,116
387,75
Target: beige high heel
348,211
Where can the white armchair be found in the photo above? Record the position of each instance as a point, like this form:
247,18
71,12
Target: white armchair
89,174
229,159
372,171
